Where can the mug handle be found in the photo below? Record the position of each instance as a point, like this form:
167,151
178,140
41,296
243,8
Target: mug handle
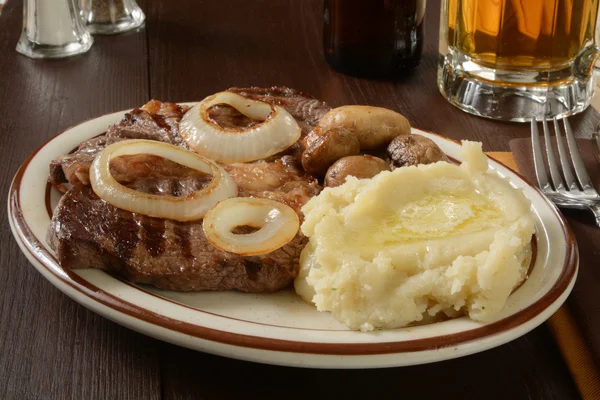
587,63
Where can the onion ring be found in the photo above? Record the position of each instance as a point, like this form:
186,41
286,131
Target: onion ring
277,131
277,225
185,208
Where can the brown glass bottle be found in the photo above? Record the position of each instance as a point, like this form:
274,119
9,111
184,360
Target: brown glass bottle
373,37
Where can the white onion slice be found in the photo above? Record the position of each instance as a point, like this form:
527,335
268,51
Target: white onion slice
185,208
278,131
277,225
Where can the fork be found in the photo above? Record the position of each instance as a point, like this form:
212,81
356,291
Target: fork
562,189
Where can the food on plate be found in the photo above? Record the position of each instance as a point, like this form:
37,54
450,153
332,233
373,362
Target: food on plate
88,232
409,150
323,150
338,132
361,167
418,241
274,131
212,197
272,225
373,126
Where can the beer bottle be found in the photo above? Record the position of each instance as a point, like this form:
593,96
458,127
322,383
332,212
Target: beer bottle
376,38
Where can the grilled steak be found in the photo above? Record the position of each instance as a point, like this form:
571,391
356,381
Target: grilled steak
87,232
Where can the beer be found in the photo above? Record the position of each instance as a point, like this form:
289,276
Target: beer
373,37
518,60
521,34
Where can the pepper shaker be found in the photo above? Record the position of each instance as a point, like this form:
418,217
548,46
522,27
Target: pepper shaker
52,29
108,17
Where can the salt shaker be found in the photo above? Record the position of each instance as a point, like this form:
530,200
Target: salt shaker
107,17
52,29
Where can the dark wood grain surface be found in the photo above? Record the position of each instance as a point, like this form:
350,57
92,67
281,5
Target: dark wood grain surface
52,348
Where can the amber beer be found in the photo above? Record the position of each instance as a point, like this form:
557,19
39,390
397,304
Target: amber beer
373,37
538,47
532,34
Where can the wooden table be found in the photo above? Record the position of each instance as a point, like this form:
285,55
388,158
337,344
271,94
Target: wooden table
51,347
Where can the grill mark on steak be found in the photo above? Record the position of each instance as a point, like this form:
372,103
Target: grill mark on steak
153,231
176,188
252,268
183,238
124,233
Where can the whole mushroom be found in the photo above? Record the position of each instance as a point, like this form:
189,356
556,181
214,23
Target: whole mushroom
413,150
361,167
324,149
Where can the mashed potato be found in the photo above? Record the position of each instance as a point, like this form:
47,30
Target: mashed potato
408,244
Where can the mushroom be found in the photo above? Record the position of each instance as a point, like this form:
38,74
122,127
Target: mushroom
413,150
324,149
372,126
361,167
347,130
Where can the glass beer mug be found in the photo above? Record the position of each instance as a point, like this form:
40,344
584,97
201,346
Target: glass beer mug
518,59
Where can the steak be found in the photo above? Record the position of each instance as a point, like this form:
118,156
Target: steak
87,232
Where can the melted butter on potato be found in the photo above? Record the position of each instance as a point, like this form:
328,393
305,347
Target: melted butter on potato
383,252
439,215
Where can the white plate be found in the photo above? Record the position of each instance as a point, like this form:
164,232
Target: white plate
280,328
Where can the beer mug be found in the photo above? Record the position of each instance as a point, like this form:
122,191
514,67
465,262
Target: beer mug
518,59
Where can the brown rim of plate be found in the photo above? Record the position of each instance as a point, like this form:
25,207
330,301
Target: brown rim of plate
38,251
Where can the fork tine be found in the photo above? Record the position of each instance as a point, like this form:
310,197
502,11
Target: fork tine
538,158
582,175
564,159
554,172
